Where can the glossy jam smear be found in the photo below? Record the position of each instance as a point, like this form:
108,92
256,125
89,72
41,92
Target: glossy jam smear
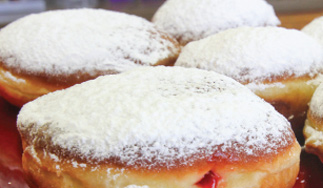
210,180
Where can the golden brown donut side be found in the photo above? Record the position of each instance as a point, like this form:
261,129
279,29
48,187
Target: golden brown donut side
20,89
291,100
278,170
313,128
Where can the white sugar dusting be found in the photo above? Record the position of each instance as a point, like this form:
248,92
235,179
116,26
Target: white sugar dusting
315,135
53,156
260,86
316,104
315,29
154,116
75,164
195,19
136,186
31,150
316,81
8,76
249,54
67,41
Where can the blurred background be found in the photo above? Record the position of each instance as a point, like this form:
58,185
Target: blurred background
293,13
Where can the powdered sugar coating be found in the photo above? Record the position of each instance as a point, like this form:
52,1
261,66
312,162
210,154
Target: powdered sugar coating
316,104
64,42
191,20
315,136
255,54
261,87
315,29
155,116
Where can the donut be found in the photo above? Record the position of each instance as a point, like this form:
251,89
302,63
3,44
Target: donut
53,50
192,20
157,127
313,130
315,29
271,61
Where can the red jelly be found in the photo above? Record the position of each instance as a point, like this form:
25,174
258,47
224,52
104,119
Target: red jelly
210,180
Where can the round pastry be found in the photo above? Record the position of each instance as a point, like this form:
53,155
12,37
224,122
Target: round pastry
157,127
53,50
313,130
315,29
271,61
192,20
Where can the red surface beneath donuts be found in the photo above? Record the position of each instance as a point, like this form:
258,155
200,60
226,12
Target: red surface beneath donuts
11,175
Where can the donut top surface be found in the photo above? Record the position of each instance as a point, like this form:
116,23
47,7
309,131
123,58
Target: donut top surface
315,29
195,19
64,42
316,104
255,54
155,117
